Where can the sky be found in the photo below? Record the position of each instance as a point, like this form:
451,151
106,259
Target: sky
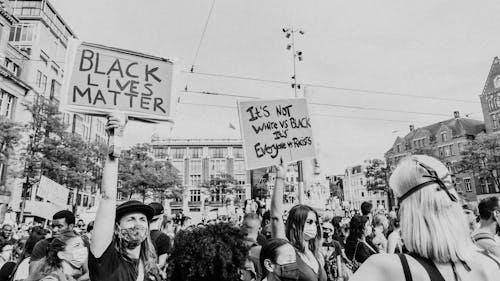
430,48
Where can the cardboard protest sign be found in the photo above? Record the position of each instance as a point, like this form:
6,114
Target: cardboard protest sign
102,79
52,191
274,129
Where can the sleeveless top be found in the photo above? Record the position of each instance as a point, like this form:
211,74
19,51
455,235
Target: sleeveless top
306,273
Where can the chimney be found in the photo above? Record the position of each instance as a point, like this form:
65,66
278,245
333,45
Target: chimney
412,128
456,114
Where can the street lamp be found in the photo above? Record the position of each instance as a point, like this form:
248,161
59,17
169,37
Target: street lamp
297,55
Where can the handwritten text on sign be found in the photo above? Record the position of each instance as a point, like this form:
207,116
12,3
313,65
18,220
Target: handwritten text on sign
105,78
275,129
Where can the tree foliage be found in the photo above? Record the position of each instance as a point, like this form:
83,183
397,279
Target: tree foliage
481,156
58,154
377,175
10,135
139,174
222,187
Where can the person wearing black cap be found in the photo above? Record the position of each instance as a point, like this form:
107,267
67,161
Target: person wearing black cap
121,249
160,240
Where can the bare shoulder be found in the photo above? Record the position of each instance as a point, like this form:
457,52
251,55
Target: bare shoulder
380,267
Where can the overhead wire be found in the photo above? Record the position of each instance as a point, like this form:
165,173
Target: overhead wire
202,36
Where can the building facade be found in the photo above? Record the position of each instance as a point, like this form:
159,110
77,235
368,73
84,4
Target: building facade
356,192
33,46
444,140
198,161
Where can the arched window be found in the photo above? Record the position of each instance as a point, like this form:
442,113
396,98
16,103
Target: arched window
496,82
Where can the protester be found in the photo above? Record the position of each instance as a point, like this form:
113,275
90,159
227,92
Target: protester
6,250
484,236
22,268
278,260
215,252
66,255
160,240
121,249
7,234
380,226
62,221
302,230
251,228
357,248
394,241
433,228
471,217
338,232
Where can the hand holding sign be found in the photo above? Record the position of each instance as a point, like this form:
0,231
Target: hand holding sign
275,129
115,128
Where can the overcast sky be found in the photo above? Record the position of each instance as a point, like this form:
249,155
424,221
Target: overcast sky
432,48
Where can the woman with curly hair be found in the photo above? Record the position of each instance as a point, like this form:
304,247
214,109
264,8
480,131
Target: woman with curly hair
357,248
302,229
65,257
215,252
434,230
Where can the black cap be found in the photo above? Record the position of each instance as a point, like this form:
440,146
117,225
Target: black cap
158,208
133,206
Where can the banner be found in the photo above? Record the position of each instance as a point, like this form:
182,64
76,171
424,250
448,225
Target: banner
274,130
102,79
53,192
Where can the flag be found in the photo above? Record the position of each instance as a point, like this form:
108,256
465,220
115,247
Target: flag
231,126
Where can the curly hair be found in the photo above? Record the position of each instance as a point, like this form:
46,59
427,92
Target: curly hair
357,227
214,252
51,262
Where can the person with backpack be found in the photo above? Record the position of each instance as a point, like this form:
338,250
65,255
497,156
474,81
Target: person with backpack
485,236
433,228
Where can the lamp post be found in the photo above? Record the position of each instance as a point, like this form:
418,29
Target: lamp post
296,55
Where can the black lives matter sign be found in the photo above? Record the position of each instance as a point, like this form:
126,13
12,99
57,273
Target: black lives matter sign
274,130
105,79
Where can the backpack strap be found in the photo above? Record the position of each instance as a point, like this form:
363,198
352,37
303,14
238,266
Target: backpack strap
430,267
492,258
406,268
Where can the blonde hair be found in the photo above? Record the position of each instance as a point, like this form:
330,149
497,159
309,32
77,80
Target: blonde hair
432,225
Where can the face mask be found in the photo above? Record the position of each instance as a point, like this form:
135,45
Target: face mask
310,232
132,237
287,272
77,257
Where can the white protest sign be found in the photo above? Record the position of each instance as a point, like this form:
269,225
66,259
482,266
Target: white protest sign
274,129
103,79
52,191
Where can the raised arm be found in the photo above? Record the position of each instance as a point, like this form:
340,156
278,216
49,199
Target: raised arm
277,224
105,217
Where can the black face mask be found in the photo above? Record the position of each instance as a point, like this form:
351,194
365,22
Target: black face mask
287,272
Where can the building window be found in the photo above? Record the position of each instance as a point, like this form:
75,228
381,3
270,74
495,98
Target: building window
496,82
22,33
494,121
240,179
218,152
217,166
195,180
239,166
195,167
443,136
55,90
398,148
468,186
41,81
195,152
238,152
160,152
195,195
178,153
6,104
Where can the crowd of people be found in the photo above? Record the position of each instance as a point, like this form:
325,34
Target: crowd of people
433,236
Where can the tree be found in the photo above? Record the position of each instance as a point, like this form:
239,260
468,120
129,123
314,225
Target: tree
138,173
10,135
221,187
377,175
481,156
